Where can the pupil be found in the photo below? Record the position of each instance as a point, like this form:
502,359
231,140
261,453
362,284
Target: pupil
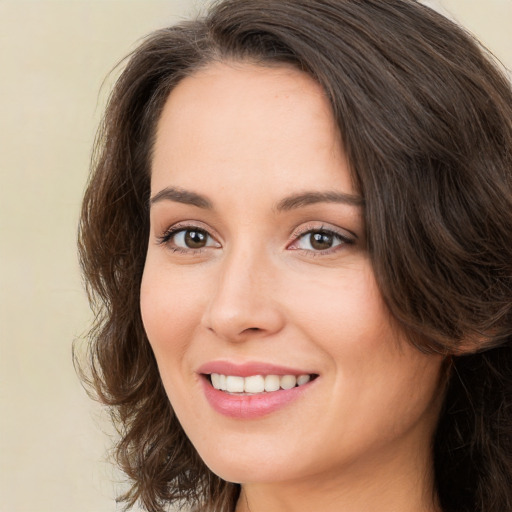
321,241
195,239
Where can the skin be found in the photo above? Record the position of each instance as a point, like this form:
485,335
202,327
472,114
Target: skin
245,137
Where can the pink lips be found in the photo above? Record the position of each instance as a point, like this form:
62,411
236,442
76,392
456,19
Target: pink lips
249,406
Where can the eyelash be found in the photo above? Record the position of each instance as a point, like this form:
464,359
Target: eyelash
167,237
343,238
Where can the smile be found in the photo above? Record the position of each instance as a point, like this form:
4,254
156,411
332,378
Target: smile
257,384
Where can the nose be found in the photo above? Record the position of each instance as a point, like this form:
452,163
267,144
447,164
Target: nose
243,304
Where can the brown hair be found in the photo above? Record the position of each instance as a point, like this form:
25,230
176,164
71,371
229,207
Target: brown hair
426,121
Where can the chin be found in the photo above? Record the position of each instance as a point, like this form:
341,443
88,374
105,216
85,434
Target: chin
240,472
258,464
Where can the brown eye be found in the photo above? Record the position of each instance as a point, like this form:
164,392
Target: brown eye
195,239
321,241
184,239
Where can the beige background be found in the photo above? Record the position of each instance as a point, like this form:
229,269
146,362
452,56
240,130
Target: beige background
54,56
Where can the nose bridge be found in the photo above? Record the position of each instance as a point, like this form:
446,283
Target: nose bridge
242,304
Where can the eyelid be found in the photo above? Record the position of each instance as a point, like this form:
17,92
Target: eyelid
322,226
347,237
172,230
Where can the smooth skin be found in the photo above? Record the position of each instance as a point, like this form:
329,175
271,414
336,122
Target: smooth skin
240,269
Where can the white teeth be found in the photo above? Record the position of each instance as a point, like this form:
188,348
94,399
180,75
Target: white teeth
215,380
272,383
303,379
254,384
234,384
257,383
288,381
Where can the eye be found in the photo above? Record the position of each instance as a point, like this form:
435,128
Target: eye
188,239
191,238
320,240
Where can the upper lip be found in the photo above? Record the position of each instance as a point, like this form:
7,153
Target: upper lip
249,368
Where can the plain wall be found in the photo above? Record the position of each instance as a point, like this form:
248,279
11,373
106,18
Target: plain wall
54,56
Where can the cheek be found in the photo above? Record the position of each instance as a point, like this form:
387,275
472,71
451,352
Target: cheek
169,315
375,369
345,313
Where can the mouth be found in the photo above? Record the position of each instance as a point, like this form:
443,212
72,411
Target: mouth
256,384
252,390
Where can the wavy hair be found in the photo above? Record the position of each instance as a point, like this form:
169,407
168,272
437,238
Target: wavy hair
426,121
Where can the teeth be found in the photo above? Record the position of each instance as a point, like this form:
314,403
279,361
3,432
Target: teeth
272,383
303,379
215,380
234,384
254,384
288,381
257,383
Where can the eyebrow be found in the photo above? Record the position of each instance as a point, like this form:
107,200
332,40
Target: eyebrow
179,195
292,202
307,198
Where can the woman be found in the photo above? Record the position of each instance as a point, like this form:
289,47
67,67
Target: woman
297,237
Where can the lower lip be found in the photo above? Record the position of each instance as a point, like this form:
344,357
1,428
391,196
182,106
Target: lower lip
251,406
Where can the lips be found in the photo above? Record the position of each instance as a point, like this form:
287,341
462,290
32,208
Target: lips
252,390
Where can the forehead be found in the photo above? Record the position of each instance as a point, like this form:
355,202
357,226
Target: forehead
237,85
249,120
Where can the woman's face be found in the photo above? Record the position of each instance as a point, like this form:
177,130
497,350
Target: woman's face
257,272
